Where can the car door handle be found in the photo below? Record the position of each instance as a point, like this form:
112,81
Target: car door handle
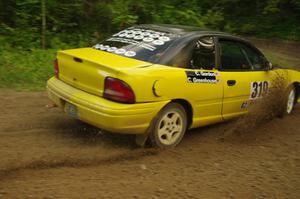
231,82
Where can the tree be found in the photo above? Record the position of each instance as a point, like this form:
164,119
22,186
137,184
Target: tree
43,14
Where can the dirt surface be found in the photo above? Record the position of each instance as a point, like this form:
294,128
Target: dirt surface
45,154
289,48
284,54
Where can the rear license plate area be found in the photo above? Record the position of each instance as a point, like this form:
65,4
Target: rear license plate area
71,110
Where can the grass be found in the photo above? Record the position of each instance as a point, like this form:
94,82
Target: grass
282,59
280,52
25,70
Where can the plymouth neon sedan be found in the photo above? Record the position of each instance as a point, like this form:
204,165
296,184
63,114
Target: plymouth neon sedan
158,81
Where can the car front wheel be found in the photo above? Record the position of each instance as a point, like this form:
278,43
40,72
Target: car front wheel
169,126
290,100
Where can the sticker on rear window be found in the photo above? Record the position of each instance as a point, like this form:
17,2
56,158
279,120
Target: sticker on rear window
147,39
130,53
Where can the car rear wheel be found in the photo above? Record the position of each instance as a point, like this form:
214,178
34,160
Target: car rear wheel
290,102
169,126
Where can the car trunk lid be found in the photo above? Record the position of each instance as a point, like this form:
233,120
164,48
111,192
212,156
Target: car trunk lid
87,68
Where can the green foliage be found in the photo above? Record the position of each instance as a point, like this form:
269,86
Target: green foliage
78,23
281,59
25,69
214,19
81,23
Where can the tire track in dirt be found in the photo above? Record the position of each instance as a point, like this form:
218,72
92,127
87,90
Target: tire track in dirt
65,142
73,162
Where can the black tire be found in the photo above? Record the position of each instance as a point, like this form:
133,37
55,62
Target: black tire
283,106
290,100
169,126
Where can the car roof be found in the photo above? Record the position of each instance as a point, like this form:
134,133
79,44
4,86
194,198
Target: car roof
188,33
187,30
177,29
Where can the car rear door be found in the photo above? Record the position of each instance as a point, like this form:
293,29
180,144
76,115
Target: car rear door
244,75
203,85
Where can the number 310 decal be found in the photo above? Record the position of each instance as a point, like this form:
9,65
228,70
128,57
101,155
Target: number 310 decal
258,89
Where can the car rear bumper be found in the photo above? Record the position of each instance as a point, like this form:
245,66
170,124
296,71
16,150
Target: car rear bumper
103,113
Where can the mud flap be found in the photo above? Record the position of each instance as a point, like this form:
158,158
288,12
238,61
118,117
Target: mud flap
141,139
298,93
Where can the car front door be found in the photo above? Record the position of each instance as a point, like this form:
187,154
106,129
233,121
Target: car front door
244,76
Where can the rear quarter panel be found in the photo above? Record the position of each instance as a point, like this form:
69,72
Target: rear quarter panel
163,83
158,82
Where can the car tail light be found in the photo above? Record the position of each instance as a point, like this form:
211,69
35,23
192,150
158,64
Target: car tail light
119,91
56,68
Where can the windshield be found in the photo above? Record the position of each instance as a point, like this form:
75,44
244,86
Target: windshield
143,44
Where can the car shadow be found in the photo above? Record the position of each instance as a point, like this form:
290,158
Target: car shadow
87,134
228,132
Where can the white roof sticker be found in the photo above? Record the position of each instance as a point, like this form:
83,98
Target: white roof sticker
148,39
154,36
111,49
138,38
130,35
164,38
130,53
120,51
104,47
158,42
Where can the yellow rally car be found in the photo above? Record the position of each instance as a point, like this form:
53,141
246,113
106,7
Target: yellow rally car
157,81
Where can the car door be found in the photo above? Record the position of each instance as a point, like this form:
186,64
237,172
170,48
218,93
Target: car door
244,75
203,82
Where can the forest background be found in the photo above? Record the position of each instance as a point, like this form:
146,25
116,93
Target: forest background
31,31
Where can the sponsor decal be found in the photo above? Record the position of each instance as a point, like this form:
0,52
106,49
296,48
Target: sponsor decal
142,38
120,51
115,50
154,36
139,37
148,39
129,36
244,105
133,42
202,77
164,38
111,49
247,104
98,46
130,54
158,42
145,34
138,32
104,47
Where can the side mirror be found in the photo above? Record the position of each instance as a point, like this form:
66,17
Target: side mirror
269,65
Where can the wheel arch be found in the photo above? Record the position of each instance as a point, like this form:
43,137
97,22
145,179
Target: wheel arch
188,108
297,87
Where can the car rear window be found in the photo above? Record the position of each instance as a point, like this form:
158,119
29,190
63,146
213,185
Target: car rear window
143,44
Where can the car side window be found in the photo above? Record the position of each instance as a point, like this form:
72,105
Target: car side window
257,60
203,54
232,56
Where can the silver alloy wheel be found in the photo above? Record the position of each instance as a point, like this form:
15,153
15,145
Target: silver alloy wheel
170,128
291,101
